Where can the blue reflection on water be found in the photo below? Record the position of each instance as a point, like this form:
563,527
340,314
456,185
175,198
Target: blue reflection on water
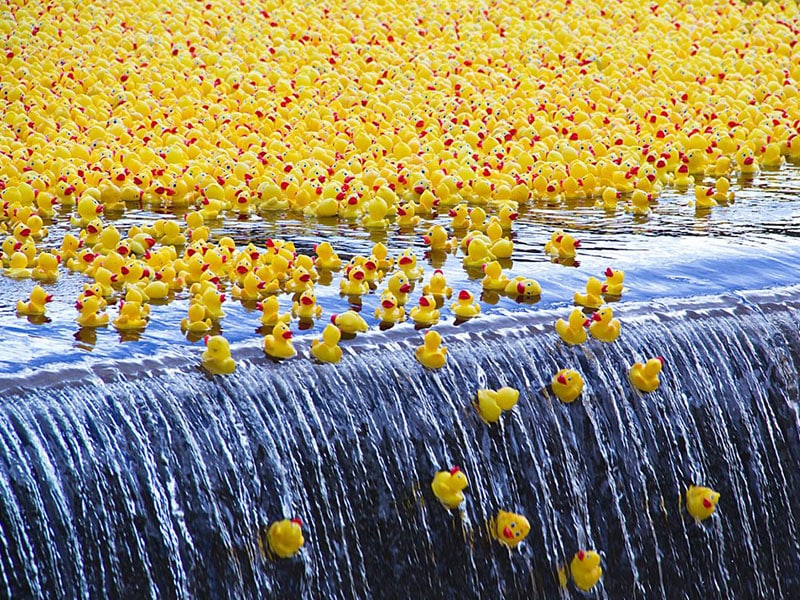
675,252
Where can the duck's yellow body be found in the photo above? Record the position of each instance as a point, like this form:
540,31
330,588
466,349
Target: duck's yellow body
448,487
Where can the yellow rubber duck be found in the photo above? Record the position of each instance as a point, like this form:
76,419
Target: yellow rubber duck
300,281
437,286
459,217
682,179
746,161
615,279
492,403
18,266
400,286
494,278
704,197
604,326
270,312
437,239
644,377
407,263
285,538
354,282
381,252
465,306
448,487
306,308
196,321
593,297
573,330
524,287
585,569
478,252
350,322
327,348
278,344
432,354
567,385
376,214
640,203
701,502
326,257
510,528
131,316
425,313
722,191
389,310
216,358
35,306
500,247
90,309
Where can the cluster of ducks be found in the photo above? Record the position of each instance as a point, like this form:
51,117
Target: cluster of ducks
228,111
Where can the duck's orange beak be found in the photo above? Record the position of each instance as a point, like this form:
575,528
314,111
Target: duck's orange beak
508,533
562,380
287,335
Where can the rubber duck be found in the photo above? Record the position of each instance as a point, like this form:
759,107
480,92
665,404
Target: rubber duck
131,316
18,266
407,263
425,313
771,156
372,274
492,403
431,353
722,191
326,257
437,285
573,330
354,283
608,199
376,214
682,179
615,279
567,384
285,538
507,215
173,234
88,208
448,487
478,253
523,287
604,326
350,322
551,246
406,216
746,161
250,288
270,309
567,246
459,217
400,286
69,247
389,310
327,348
305,307
35,306
438,241
196,321
704,197
510,528
593,297
46,268
212,301
381,252
585,569
90,309
640,203
500,247
465,306
644,377
701,502
494,279
278,344
300,280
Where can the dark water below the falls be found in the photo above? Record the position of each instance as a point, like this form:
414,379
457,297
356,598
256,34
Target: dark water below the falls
147,478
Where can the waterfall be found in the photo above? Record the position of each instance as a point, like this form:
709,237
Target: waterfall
152,479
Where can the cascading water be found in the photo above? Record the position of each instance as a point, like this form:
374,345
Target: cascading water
153,479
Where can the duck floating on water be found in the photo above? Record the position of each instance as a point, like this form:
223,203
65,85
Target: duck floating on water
285,538
593,297
327,348
448,487
465,306
573,330
425,313
432,354
437,286
350,322
615,279
644,377
389,310
217,358
35,306
604,326
492,403
510,528
701,502
567,385
278,344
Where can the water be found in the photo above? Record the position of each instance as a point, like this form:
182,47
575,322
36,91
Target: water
149,478
675,252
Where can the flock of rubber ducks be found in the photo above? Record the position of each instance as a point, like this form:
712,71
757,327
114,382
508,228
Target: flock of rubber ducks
222,110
